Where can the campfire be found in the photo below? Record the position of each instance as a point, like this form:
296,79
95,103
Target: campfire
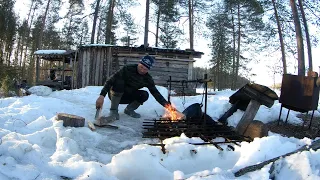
173,114
192,122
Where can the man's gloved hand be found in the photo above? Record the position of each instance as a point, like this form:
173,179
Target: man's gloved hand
99,102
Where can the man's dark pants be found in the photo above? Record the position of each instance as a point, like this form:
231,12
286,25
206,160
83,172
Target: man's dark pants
139,95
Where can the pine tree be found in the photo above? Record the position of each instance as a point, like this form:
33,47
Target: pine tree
221,49
195,11
71,29
300,46
7,30
248,23
95,17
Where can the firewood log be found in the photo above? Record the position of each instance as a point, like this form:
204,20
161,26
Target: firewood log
71,120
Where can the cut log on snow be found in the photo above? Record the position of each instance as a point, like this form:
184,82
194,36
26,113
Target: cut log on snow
71,120
315,145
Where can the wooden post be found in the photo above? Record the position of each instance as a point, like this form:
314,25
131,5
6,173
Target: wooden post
205,98
248,116
63,69
37,70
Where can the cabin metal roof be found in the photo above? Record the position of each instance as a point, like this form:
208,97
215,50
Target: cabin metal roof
55,54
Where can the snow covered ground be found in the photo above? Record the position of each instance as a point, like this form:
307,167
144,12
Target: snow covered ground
34,145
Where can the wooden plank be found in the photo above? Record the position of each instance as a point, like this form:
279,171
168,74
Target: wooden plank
248,116
89,63
161,64
63,67
37,69
100,67
167,74
168,71
158,55
96,77
164,80
190,69
105,66
79,70
109,59
88,67
131,56
83,69
93,61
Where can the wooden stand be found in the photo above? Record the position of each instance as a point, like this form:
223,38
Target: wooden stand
249,98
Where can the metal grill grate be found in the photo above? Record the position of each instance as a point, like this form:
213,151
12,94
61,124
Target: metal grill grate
163,129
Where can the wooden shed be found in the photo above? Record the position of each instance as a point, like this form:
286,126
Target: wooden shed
96,63
55,68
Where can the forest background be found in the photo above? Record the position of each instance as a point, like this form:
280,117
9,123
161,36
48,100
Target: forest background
243,40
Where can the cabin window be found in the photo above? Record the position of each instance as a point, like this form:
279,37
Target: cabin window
125,61
167,63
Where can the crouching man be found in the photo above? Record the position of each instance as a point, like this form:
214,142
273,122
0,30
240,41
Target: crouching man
123,88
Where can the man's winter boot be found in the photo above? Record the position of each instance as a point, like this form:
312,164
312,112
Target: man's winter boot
129,110
113,115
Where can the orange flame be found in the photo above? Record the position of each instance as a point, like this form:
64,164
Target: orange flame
172,114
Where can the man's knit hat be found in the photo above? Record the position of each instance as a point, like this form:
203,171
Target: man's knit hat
147,61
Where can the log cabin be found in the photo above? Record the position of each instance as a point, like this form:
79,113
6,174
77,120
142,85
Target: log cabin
97,62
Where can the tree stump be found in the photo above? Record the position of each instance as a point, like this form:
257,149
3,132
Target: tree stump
70,120
256,129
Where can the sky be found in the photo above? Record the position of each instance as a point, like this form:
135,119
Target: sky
260,72
34,145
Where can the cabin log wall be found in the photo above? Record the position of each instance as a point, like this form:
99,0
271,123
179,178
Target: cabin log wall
98,63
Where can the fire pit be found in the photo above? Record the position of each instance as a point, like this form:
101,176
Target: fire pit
193,123
163,129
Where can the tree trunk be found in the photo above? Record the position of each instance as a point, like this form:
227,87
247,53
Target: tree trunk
95,17
214,79
301,65
43,25
158,22
23,36
146,25
98,32
239,38
16,56
218,75
109,21
284,62
233,54
307,34
25,39
191,23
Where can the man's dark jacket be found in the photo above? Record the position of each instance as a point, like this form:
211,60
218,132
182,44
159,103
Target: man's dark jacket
133,81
